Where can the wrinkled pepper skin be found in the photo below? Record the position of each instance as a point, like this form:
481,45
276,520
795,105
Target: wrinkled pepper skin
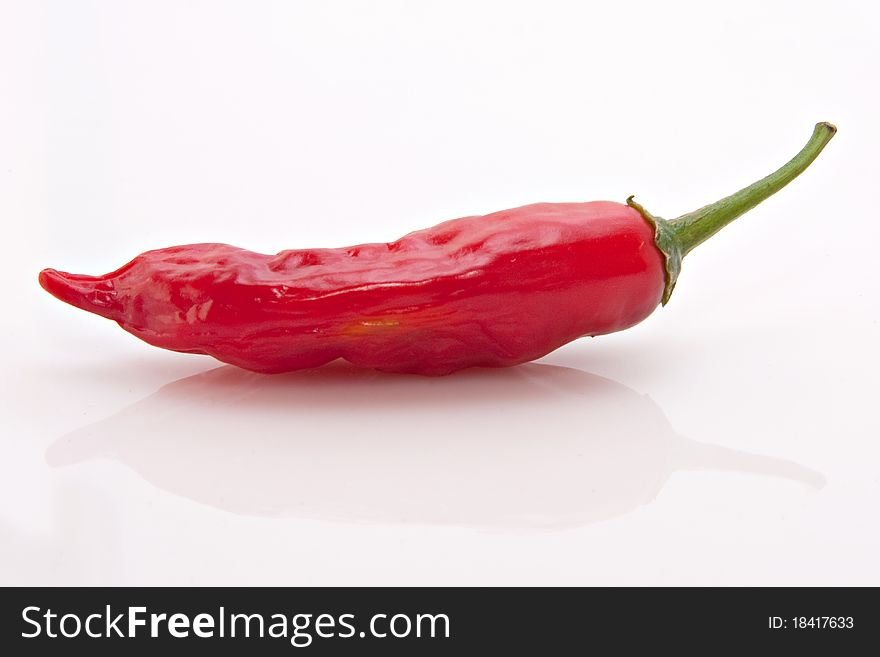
494,290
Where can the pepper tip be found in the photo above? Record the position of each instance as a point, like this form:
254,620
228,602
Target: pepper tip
50,279
91,293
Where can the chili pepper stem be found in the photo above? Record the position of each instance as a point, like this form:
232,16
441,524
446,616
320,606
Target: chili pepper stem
678,237
696,227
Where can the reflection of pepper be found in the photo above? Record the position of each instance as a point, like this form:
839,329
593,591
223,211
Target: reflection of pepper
495,290
610,450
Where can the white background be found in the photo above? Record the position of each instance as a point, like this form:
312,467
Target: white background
732,438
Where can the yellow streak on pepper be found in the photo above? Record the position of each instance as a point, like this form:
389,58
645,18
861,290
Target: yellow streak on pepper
367,326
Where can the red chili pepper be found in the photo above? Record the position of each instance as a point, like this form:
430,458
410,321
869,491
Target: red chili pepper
495,290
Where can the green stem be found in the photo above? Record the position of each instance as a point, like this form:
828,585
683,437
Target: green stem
677,237
696,227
